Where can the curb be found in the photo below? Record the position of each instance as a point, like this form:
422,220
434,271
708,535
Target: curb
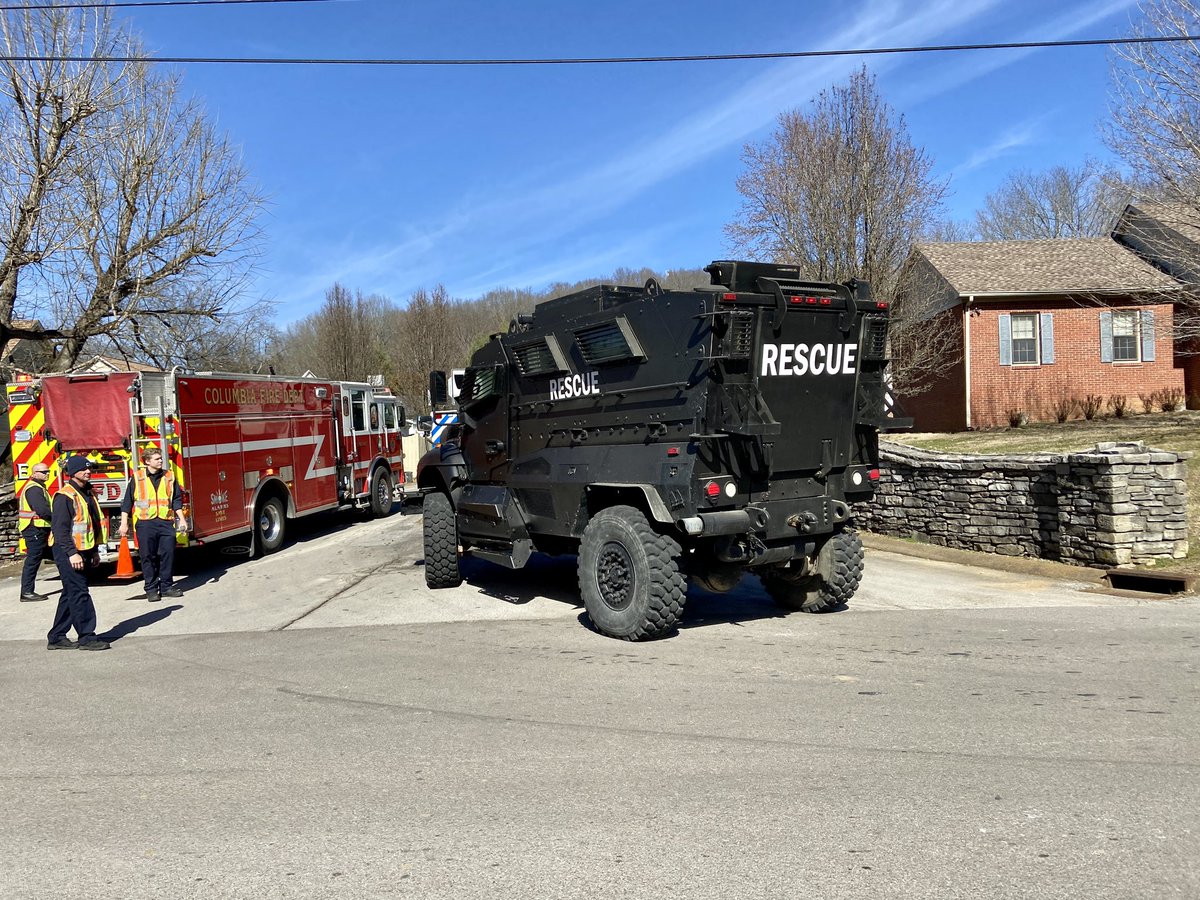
1021,564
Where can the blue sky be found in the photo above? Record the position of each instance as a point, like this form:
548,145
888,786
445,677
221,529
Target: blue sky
394,179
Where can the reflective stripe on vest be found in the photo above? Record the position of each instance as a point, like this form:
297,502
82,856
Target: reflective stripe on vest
149,503
26,514
82,532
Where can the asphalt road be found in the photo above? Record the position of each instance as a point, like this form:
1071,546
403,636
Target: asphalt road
317,724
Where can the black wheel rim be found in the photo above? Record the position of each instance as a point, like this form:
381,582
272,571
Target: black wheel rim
614,575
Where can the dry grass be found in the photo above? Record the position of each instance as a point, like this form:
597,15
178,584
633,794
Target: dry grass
1178,431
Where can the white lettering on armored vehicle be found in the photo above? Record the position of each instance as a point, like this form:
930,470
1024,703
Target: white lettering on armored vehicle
803,359
582,385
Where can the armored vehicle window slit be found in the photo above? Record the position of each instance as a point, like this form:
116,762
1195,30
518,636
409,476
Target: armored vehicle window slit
609,342
479,384
540,357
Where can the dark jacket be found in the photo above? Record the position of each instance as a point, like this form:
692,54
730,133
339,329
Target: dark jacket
63,517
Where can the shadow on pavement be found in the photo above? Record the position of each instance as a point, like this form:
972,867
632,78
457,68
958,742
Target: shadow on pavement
129,626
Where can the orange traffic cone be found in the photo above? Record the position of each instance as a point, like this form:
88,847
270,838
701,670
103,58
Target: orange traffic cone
125,570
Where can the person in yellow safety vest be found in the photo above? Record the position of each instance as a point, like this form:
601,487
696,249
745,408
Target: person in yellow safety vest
154,499
34,518
75,529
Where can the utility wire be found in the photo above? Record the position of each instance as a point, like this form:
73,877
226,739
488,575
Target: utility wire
118,4
596,60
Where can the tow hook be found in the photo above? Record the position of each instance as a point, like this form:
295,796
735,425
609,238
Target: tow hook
803,522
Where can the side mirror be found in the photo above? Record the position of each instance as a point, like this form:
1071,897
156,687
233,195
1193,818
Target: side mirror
425,424
439,394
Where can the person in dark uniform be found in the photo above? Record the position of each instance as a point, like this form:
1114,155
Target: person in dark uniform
75,530
34,517
155,501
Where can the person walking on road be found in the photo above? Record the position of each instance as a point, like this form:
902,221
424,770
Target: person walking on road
75,529
34,518
154,499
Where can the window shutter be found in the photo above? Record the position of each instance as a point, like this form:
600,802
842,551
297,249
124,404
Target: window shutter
1148,339
1106,342
1005,339
1047,323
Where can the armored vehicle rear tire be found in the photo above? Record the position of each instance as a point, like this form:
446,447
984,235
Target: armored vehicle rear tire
630,576
838,573
440,531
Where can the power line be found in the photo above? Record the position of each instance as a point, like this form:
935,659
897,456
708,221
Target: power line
119,4
590,61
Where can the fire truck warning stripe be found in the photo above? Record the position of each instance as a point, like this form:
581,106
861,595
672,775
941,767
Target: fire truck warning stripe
26,418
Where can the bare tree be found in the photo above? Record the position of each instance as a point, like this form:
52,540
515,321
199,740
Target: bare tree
347,331
46,112
1060,202
1155,102
126,209
842,192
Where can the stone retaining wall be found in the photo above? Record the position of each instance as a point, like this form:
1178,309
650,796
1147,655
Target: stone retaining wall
1116,505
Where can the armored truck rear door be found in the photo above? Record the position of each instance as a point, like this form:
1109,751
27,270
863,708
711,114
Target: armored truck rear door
807,373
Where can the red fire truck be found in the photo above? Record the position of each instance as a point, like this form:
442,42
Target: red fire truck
248,451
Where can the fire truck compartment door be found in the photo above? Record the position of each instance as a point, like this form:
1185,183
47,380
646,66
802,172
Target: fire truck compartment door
88,412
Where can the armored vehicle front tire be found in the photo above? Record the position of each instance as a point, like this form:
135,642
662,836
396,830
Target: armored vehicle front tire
630,576
440,531
838,573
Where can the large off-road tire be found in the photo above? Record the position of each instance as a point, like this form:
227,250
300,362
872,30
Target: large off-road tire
838,573
630,576
270,525
381,493
440,529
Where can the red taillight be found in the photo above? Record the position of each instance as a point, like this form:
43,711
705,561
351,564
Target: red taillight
728,297
672,451
825,301
712,489
881,305
873,474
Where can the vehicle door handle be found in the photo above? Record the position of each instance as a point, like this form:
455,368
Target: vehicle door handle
494,448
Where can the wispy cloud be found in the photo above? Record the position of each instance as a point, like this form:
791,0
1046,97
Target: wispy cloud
519,222
1020,135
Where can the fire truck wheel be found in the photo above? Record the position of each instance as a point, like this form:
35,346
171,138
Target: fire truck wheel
441,542
630,576
381,494
838,573
271,525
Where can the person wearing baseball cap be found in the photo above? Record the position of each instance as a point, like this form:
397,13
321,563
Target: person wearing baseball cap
75,530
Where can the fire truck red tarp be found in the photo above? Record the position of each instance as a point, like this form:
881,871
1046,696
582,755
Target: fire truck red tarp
88,412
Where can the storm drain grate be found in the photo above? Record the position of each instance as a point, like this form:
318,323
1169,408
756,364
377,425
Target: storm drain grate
1150,583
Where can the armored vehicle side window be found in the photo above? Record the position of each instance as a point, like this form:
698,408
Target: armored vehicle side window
609,342
479,384
540,357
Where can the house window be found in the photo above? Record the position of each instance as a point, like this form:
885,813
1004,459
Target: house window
1024,339
1126,336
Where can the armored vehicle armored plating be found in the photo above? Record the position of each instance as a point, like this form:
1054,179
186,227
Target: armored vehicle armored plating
663,435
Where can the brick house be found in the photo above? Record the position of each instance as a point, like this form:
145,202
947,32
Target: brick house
1039,324
1168,237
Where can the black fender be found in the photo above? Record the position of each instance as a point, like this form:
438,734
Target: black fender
443,468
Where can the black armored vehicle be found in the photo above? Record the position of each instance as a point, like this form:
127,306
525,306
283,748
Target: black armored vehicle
667,435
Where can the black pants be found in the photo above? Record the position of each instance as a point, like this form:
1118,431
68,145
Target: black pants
37,547
75,607
156,547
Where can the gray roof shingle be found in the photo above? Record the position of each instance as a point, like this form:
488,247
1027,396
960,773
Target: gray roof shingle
1052,266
